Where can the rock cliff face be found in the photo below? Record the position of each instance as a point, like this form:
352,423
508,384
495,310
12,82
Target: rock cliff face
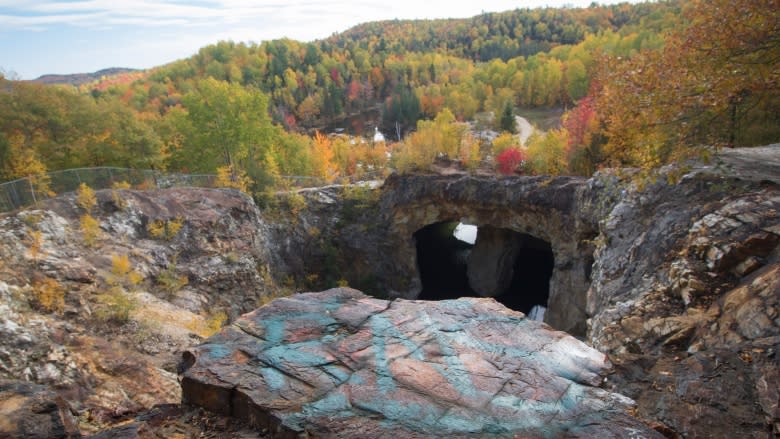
490,265
110,365
685,296
677,283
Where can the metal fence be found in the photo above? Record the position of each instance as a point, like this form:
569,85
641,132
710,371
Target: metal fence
29,190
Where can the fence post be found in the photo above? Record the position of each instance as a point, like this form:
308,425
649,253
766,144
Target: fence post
32,191
17,198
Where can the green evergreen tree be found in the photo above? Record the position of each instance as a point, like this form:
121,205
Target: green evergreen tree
508,122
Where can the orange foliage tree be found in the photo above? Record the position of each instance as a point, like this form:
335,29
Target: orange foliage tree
322,156
709,84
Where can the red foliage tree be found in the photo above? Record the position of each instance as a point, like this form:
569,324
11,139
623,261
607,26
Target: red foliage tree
580,122
510,160
353,90
334,75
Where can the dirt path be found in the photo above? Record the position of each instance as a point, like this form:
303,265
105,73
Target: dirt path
524,129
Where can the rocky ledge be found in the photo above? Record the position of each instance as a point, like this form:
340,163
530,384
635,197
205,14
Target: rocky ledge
342,364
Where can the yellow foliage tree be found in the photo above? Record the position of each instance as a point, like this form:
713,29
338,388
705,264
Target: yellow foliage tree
227,177
49,295
470,154
547,152
323,157
90,230
715,82
440,137
85,197
25,163
503,142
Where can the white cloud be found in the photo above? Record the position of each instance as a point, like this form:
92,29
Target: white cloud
319,13
144,33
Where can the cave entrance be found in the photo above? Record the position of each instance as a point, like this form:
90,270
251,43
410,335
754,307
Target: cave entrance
514,268
442,259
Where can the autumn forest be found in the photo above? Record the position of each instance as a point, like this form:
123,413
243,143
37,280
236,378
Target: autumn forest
638,85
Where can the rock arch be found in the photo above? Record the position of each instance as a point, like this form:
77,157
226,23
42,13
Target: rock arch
544,208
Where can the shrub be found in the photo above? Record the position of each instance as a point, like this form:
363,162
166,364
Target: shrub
48,295
215,322
115,305
165,229
510,160
36,243
116,196
120,185
85,197
146,185
122,269
228,177
118,200
90,230
273,295
120,265
169,281
296,202
31,219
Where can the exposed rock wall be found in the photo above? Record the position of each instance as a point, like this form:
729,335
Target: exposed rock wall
107,366
320,237
33,411
684,299
491,261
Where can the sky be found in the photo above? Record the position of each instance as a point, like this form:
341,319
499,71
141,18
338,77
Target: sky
75,36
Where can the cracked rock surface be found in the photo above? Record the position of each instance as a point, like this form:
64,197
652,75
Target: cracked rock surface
342,364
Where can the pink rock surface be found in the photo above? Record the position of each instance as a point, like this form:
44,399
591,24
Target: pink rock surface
342,364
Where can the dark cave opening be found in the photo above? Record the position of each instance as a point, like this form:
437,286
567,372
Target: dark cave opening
533,269
521,266
441,261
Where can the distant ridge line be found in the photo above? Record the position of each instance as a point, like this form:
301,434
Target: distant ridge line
82,78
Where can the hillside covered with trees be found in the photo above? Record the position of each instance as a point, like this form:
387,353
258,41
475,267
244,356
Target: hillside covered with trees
642,83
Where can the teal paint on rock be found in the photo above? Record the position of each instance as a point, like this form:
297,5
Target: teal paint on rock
216,351
275,379
384,378
342,365
274,330
294,355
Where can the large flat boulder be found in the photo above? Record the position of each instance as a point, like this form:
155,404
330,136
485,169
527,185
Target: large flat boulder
341,364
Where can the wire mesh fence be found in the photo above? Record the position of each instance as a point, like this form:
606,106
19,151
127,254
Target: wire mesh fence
29,190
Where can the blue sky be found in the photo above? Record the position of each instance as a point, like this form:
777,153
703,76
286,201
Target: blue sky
48,36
